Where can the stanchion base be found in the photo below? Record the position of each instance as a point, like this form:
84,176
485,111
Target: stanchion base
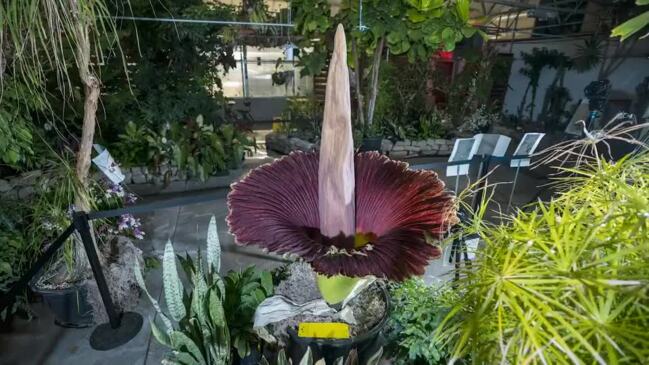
104,337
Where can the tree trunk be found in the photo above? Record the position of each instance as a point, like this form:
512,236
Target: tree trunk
91,99
374,81
521,107
533,101
359,93
548,91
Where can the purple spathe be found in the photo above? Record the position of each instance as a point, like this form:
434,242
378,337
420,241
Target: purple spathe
276,207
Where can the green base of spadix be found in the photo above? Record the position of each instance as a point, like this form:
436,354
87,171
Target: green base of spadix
335,289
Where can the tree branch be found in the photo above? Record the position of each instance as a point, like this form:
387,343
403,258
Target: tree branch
374,81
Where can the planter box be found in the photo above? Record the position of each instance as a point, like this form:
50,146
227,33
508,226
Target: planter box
177,186
69,306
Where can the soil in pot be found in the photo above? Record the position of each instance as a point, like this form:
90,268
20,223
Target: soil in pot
369,308
68,304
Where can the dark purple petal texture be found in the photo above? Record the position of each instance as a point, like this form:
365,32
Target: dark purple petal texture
389,196
276,207
273,204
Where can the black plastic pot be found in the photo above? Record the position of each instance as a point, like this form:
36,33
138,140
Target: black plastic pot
366,345
69,305
253,359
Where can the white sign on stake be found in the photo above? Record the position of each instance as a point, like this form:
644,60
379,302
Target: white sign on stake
463,150
492,144
105,162
528,145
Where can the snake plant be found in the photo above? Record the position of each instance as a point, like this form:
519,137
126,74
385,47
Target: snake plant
194,325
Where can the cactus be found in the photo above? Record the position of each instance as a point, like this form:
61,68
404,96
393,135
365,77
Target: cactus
195,328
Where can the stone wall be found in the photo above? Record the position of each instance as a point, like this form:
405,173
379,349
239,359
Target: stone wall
284,144
168,179
19,187
139,180
409,148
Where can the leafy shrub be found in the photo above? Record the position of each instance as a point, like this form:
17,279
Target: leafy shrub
141,146
17,251
566,281
194,147
244,291
417,311
17,103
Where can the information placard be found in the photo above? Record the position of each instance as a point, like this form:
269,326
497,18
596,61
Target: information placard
528,145
463,150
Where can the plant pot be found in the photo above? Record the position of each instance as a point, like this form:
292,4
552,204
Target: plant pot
371,144
366,344
69,305
253,359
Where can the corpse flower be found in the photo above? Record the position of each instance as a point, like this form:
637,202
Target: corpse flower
347,215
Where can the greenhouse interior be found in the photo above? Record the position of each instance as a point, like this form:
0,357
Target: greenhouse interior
324,182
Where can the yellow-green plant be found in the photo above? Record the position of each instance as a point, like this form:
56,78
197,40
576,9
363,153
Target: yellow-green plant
566,281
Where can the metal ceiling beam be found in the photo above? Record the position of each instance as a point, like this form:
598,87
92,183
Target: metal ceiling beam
515,4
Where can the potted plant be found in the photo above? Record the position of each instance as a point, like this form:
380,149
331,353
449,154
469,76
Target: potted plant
64,282
351,217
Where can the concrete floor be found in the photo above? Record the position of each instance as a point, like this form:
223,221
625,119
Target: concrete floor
41,342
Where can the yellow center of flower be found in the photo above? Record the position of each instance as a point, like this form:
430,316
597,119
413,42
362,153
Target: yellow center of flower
362,238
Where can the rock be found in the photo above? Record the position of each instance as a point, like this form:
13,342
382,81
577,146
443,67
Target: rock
428,152
138,175
5,186
398,154
25,192
127,176
398,148
413,149
278,142
298,144
423,143
27,178
386,145
402,143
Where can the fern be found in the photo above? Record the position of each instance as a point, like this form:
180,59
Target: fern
173,288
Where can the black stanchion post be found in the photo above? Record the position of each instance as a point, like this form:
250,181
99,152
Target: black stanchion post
82,225
485,161
121,327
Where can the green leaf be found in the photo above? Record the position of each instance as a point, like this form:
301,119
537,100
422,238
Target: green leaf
415,16
213,247
631,26
376,358
267,282
216,309
281,358
137,271
173,288
182,343
159,335
307,359
463,8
